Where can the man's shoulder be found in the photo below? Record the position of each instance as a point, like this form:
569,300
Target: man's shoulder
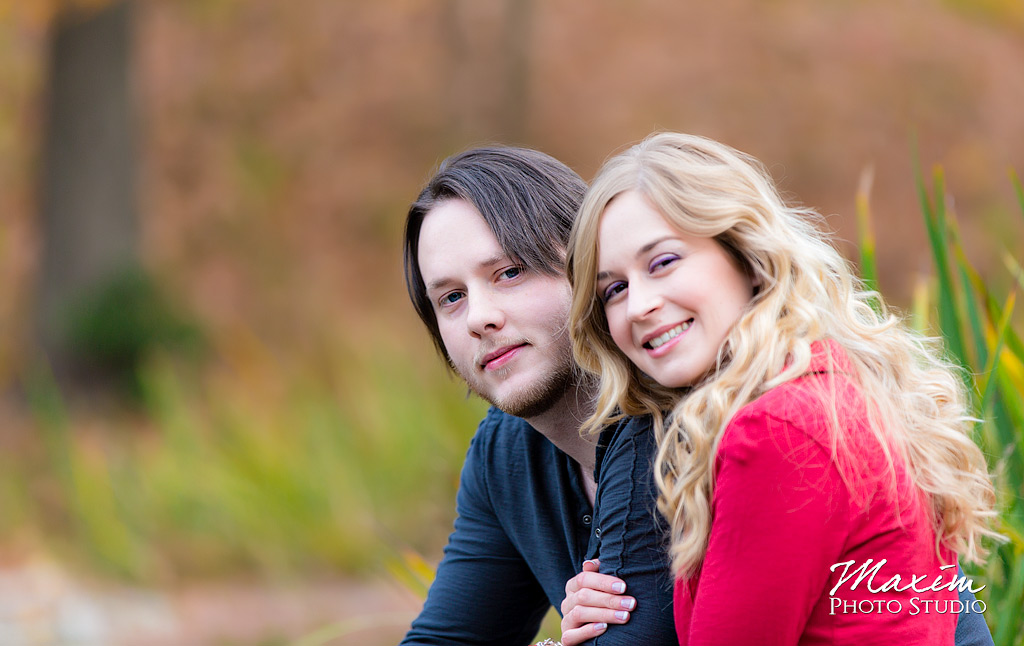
498,427
502,438
512,466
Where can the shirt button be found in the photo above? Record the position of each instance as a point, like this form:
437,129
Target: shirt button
597,532
587,519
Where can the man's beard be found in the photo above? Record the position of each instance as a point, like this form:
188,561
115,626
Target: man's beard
539,397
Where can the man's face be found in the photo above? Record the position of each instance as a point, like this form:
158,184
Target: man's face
504,326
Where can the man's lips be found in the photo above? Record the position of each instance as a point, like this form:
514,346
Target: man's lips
501,356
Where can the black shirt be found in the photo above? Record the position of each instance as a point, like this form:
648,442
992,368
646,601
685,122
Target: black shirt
524,528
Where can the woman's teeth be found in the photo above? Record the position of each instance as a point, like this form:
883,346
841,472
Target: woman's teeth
661,340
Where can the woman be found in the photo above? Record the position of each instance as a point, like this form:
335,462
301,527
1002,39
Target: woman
813,461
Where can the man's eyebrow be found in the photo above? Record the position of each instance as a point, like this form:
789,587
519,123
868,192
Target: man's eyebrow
601,275
493,260
441,283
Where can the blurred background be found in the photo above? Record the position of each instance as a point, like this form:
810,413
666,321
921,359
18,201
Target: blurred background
220,420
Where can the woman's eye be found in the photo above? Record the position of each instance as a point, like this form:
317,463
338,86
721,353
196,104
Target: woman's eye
451,298
611,291
511,272
664,260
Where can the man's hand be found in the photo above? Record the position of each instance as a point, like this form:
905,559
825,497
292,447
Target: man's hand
592,601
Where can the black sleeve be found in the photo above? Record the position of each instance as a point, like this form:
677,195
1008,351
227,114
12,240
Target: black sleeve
484,592
971,629
633,537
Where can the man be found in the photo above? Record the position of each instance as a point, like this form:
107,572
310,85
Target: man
484,255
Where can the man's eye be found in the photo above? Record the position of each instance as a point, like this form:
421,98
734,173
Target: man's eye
611,291
451,298
511,272
664,260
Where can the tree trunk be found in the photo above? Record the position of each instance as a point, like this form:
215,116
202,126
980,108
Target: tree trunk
516,45
89,224
487,69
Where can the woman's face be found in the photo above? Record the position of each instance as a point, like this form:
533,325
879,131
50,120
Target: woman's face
670,298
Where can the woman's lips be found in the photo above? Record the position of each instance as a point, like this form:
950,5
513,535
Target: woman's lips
663,340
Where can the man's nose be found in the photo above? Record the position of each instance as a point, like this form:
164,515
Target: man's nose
484,314
643,300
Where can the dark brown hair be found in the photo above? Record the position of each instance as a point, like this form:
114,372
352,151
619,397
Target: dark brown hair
528,199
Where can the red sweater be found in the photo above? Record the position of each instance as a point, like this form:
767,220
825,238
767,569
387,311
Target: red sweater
782,516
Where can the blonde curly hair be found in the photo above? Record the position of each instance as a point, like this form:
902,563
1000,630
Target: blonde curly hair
806,293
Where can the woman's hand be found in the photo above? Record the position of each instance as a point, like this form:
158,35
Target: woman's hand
592,601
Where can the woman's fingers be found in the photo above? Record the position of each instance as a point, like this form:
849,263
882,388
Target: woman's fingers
595,581
580,635
592,602
582,615
584,623
591,598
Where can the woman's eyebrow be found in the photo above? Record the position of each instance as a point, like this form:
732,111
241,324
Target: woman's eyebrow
652,244
601,275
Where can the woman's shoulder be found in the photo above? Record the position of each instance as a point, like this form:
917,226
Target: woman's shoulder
806,403
629,439
824,396
780,423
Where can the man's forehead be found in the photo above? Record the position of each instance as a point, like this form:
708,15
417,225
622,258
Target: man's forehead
455,239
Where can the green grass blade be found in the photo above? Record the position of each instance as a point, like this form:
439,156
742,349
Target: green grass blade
949,318
986,386
967,306
1015,269
1009,624
866,234
920,306
1011,425
1018,188
995,314
935,222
